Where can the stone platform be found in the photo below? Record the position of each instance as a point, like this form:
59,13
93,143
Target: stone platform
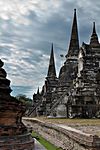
65,137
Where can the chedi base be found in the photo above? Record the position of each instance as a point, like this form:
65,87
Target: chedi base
19,142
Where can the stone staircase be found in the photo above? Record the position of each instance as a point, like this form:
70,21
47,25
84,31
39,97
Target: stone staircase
56,102
33,108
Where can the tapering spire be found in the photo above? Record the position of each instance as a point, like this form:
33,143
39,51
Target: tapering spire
51,69
94,38
38,91
74,41
94,29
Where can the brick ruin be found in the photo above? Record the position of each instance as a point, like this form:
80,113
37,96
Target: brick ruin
13,133
76,91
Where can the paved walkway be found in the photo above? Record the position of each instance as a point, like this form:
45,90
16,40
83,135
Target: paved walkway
38,146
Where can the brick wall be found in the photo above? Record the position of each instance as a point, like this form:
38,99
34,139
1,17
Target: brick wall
19,142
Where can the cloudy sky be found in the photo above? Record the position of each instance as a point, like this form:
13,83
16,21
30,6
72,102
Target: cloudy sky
27,29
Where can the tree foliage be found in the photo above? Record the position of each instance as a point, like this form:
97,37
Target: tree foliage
23,98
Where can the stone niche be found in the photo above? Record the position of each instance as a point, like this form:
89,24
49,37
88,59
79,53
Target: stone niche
61,111
13,133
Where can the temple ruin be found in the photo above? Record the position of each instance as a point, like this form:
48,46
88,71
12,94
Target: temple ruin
75,93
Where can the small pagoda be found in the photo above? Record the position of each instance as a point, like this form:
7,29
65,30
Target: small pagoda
13,133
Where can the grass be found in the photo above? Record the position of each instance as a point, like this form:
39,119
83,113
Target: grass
44,142
93,122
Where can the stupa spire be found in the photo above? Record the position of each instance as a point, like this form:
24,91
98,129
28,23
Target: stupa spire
51,69
74,40
94,38
38,91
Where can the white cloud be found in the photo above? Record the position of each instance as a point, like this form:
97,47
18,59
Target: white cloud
22,67
15,10
29,26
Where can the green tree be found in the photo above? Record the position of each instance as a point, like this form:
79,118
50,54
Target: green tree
23,98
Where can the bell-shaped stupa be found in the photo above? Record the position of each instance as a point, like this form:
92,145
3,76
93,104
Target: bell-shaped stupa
13,133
